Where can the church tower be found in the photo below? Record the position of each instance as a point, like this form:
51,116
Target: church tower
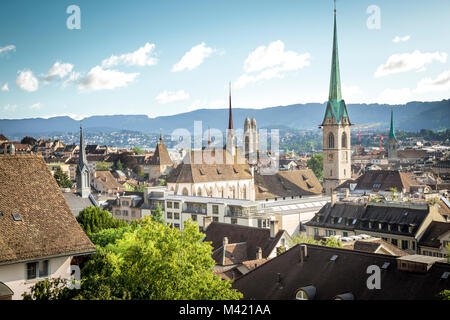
392,142
83,174
231,139
336,129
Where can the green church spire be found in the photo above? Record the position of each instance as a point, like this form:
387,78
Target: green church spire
335,78
392,135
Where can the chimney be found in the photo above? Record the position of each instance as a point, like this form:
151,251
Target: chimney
258,253
347,193
273,228
206,222
303,252
333,197
224,250
225,242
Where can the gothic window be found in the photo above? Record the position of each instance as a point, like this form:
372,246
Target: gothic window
185,192
245,191
331,140
344,140
199,192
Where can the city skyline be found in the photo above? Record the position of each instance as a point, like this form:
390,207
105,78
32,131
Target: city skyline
162,59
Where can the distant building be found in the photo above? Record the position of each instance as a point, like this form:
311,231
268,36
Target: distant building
83,171
312,272
39,233
105,182
160,164
435,240
398,223
392,140
336,130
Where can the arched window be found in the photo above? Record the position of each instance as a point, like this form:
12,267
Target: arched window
245,192
344,140
185,192
199,192
331,140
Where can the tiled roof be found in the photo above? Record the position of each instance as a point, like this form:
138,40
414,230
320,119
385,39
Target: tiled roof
287,184
433,232
161,156
251,236
107,180
381,180
373,245
357,216
280,278
48,226
189,172
76,202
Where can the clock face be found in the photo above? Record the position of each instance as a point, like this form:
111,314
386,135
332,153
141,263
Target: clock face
330,156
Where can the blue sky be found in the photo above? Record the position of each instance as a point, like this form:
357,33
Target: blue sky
167,57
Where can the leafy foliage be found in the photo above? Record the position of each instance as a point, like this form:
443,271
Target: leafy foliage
49,289
443,295
93,219
103,166
315,163
329,242
62,179
157,215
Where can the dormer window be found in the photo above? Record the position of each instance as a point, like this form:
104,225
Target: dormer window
306,293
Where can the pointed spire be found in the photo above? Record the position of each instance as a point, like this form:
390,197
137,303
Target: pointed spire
335,78
209,136
82,154
392,135
230,114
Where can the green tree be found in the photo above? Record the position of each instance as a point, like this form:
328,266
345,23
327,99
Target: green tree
157,262
102,166
138,150
62,179
93,219
443,295
117,165
328,242
49,289
157,215
315,163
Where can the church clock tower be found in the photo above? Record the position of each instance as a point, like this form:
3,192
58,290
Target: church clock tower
336,129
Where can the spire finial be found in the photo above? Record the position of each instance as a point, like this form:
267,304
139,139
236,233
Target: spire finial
230,115
334,6
209,135
160,134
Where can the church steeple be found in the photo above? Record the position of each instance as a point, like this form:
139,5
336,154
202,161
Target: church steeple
230,113
335,78
83,174
392,135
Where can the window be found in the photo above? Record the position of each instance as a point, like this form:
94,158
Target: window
394,242
215,209
301,295
125,213
344,140
330,140
216,219
194,217
404,244
316,231
233,221
169,204
117,212
176,225
176,215
37,270
169,215
345,234
176,205
133,213
125,203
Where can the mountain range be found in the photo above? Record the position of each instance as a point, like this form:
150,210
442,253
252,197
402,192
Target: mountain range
411,116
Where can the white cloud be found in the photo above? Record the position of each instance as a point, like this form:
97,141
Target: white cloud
5,87
401,39
36,105
395,96
10,107
27,81
100,79
7,48
144,56
409,61
59,70
193,58
272,61
72,78
441,83
168,96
